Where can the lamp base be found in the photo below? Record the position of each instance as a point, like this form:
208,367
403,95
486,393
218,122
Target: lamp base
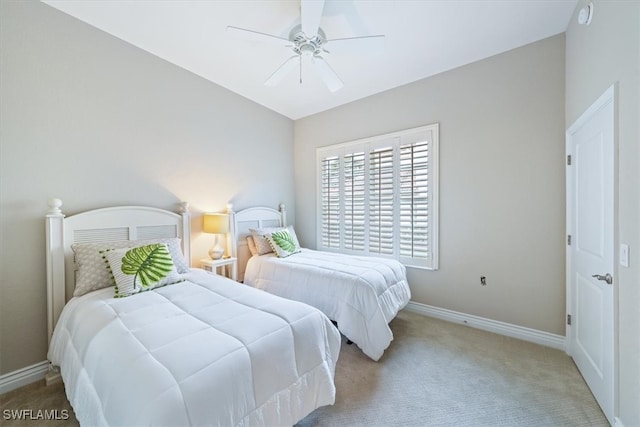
216,252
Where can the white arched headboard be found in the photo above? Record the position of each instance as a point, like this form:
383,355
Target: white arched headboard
242,221
101,225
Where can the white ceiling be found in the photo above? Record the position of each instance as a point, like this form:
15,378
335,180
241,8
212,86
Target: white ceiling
423,38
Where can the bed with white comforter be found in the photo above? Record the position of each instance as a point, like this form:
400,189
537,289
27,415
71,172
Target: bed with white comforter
362,294
206,351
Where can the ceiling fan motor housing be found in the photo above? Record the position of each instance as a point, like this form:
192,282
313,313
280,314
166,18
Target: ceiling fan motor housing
305,46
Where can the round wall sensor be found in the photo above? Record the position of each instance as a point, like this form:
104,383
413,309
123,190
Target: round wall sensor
585,14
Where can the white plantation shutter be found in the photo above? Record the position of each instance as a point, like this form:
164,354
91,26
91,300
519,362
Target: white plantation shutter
414,200
379,196
330,203
354,201
381,185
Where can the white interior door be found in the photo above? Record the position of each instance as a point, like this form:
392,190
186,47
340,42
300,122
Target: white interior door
590,254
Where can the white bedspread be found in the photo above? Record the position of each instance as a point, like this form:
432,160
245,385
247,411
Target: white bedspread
207,351
362,294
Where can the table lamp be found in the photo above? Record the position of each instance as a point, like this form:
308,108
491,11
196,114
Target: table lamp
216,224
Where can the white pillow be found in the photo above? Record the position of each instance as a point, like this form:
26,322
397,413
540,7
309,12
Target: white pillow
91,265
141,268
283,242
261,243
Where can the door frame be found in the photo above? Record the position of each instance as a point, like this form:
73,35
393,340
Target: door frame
609,96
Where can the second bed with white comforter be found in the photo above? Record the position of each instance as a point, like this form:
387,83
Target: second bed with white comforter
362,294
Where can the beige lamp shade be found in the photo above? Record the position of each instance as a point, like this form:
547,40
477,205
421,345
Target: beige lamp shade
216,223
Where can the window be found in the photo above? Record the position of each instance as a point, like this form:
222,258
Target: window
378,196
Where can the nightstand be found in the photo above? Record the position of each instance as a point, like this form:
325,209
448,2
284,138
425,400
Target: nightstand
230,266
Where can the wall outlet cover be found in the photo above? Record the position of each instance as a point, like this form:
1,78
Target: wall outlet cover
624,255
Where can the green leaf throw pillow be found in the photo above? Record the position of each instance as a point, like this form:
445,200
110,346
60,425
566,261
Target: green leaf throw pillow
282,243
92,267
141,268
260,239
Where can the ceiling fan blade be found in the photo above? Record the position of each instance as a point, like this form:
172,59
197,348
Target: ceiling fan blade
255,36
356,45
326,73
310,15
282,71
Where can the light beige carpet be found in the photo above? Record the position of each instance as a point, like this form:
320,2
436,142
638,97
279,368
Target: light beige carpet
23,406
435,373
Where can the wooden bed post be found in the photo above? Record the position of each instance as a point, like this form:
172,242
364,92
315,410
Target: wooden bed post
186,230
283,214
231,237
56,295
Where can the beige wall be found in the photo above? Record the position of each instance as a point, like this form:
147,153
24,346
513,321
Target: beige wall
502,197
97,122
604,53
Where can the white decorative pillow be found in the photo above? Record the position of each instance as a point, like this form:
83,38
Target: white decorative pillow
252,246
283,242
141,268
260,241
91,265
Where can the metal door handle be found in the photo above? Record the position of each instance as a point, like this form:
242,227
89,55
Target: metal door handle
607,278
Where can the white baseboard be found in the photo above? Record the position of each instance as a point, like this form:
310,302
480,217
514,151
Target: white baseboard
618,423
507,329
23,376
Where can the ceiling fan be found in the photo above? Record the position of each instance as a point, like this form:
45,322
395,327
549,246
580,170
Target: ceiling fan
308,40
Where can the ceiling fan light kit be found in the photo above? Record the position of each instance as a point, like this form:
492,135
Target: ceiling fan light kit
308,40
303,45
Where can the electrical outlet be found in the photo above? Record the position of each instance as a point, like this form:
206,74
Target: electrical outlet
624,255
